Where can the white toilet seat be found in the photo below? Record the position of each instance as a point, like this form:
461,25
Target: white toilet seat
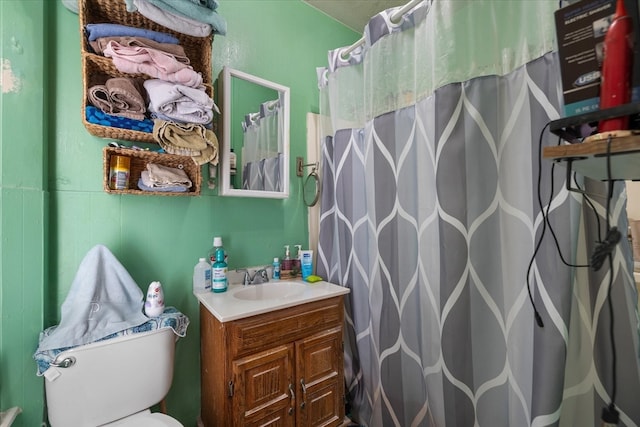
146,419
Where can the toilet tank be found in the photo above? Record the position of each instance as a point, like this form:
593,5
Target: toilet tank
111,379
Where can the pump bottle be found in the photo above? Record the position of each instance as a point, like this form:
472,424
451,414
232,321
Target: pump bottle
286,269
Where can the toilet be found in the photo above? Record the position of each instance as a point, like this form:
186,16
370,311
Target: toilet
112,382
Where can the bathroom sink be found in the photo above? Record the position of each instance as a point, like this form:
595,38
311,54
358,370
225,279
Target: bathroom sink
270,290
243,301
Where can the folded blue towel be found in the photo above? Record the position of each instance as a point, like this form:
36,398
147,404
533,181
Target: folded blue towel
72,5
103,299
209,4
172,189
98,117
95,31
199,10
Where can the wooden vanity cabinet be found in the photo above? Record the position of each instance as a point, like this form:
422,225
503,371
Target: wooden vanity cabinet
283,368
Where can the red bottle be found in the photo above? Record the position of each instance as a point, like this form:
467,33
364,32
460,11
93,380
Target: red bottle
615,86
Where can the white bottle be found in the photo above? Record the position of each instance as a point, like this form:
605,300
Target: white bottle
154,305
202,276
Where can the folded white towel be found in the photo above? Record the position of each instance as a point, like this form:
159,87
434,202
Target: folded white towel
179,102
165,176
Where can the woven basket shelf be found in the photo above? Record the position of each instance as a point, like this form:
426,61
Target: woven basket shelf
197,49
139,160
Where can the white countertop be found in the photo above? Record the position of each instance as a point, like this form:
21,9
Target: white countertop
226,306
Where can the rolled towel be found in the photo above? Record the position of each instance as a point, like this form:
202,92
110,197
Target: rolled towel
126,97
98,94
176,50
165,176
179,102
95,31
187,139
178,23
118,96
152,62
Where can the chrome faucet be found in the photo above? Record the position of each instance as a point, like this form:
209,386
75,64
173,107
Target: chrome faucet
259,276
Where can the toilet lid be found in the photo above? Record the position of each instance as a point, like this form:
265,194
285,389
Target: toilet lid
148,419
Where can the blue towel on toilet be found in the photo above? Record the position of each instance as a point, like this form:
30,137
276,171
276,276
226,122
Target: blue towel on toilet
103,299
170,318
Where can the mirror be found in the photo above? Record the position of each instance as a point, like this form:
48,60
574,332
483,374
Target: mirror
255,136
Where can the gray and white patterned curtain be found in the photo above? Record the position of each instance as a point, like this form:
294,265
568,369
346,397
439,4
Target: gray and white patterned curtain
262,148
430,214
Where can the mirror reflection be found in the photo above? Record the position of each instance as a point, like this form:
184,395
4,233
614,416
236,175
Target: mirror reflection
255,152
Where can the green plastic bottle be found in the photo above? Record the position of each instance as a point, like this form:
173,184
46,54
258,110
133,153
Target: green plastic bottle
219,273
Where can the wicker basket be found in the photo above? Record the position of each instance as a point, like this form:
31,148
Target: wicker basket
139,160
197,49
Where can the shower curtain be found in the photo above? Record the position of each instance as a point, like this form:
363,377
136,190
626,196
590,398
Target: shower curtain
262,148
430,214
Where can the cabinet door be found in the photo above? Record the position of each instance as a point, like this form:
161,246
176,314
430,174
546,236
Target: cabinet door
263,388
320,379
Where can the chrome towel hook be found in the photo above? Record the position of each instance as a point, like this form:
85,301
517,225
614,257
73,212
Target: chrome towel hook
311,185
300,165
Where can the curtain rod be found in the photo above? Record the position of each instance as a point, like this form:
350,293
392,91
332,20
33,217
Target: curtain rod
397,14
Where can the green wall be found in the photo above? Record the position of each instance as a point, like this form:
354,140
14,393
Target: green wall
53,208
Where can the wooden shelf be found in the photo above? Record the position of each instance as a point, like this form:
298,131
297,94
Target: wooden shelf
589,157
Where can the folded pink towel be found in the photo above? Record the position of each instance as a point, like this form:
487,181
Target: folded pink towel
152,62
177,51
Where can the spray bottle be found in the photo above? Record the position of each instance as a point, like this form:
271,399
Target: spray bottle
615,87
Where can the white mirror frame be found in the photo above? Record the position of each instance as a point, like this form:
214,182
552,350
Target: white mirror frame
224,176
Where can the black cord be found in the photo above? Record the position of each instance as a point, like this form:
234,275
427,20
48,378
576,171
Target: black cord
546,218
610,414
536,314
604,251
546,222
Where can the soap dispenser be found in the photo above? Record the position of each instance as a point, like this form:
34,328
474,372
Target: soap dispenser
286,267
